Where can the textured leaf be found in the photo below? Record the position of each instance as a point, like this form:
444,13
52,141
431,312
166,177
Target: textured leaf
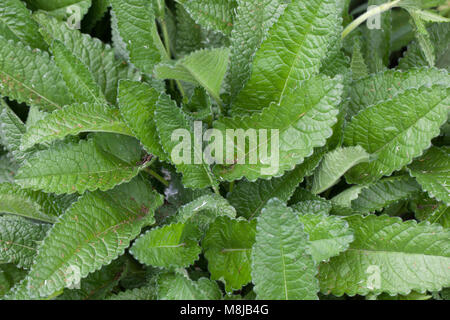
9,276
137,27
29,204
423,37
381,194
94,231
19,240
169,118
62,9
250,197
204,67
96,12
11,131
391,256
432,171
252,22
334,165
386,130
144,293
72,120
387,85
426,209
77,76
328,235
228,248
292,52
16,24
97,285
204,210
137,102
22,72
98,57
303,121
214,14
282,267
7,169
77,167
358,65
315,207
440,38
179,287
174,245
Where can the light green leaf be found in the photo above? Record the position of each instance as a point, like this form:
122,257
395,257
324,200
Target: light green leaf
252,22
11,131
16,24
63,9
391,256
22,72
170,246
169,118
137,103
432,171
358,65
8,169
144,293
203,67
426,209
137,27
383,193
204,210
180,287
282,267
77,76
95,231
214,14
19,240
386,130
72,120
334,165
328,235
316,207
98,57
250,197
228,248
302,122
292,52
87,165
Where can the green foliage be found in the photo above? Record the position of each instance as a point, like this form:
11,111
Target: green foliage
224,150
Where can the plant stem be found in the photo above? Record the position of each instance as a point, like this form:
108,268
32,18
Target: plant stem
370,13
157,176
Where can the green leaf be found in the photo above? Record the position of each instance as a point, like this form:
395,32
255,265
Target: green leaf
440,38
180,287
292,52
334,165
358,65
432,171
29,204
383,193
203,67
8,169
77,76
204,210
315,207
137,27
97,285
11,131
302,122
328,235
385,131
282,267
9,276
387,85
168,118
144,293
72,120
137,103
228,248
19,240
170,246
87,165
252,22
98,57
62,9
426,209
16,24
250,197
96,12
214,14
423,37
95,231
391,256
21,74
